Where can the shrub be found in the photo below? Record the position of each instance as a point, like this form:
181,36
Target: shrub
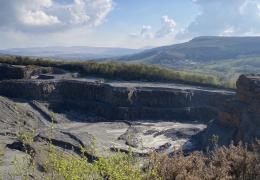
61,165
120,166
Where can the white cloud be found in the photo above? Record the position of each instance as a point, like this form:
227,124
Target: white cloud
47,15
147,37
91,12
224,17
168,27
38,18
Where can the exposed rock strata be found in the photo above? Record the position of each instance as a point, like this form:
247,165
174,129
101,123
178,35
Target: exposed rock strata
114,102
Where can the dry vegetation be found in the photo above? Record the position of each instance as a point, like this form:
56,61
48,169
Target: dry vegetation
233,162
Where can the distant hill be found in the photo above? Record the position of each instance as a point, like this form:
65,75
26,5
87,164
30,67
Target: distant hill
71,53
201,49
226,56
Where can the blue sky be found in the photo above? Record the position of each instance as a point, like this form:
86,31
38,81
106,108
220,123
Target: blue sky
123,23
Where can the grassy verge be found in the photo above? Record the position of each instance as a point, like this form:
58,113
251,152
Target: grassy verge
121,71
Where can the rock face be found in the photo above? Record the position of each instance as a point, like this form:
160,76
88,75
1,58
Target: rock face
120,102
239,118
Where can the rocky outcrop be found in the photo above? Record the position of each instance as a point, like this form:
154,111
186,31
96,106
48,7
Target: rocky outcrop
25,72
239,118
249,94
244,112
12,72
248,88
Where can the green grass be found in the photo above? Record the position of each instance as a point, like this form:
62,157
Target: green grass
121,71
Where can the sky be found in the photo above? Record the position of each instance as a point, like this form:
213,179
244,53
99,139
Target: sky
123,23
